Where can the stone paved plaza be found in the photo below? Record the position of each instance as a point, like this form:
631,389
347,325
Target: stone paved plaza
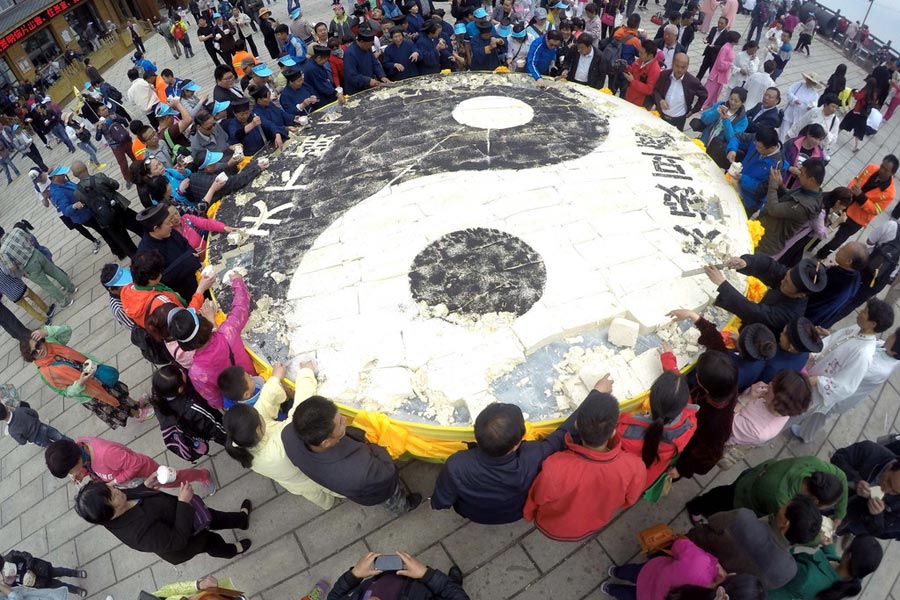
294,542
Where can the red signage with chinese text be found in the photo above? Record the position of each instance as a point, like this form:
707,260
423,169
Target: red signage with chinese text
35,23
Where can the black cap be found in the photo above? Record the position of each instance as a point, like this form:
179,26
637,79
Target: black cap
803,336
439,11
292,74
320,50
153,217
809,276
365,35
240,105
483,26
752,338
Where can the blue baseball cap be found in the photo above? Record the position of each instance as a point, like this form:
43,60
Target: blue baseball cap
560,4
121,277
504,30
190,86
164,110
459,29
518,31
211,158
262,70
87,85
220,106
295,13
216,15
287,60
60,170
15,127
479,13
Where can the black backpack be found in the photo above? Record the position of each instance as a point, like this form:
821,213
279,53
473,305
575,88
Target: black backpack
882,261
106,208
611,50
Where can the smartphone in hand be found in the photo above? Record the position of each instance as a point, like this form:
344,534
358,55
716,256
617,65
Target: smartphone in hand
388,562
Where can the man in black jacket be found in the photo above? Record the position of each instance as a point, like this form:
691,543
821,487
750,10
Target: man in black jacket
764,114
585,65
415,580
677,93
339,458
783,303
714,42
210,164
181,261
873,481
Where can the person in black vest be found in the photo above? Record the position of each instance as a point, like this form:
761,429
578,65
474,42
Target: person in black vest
339,458
181,262
714,42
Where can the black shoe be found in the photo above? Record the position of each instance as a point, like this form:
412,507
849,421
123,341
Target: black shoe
247,507
412,501
82,574
245,545
51,311
455,575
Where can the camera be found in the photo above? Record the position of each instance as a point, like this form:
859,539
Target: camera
619,65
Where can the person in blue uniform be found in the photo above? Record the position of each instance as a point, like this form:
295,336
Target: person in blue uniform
247,131
400,57
361,69
317,77
429,46
297,98
488,52
414,21
271,114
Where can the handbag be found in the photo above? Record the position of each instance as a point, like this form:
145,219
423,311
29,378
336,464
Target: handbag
608,19
716,149
217,594
656,538
657,19
202,516
106,375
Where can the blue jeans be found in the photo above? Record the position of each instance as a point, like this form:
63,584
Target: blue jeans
59,130
628,572
90,149
7,163
46,435
292,4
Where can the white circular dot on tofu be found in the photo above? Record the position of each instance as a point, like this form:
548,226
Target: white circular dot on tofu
493,112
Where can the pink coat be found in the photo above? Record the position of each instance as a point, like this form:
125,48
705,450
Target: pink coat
190,224
688,565
214,357
721,70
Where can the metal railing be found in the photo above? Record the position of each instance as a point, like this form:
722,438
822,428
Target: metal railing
867,55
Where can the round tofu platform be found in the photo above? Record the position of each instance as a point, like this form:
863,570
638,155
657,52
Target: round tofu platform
455,240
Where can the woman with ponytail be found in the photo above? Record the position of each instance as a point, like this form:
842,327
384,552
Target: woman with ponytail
253,435
825,576
658,437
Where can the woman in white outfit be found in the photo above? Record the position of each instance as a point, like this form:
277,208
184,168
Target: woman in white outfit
801,97
745,64
828,117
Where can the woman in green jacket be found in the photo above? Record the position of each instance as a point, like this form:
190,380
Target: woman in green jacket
824,576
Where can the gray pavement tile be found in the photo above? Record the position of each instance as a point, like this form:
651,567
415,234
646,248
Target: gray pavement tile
199,566
94,541
878,585
10,535
129,588
100,574
269,518
66,528
36,467
547,553
473,545
9,484
36,543
503,577
71,416
46,511
436,557
329,570
64,556
23,499
338,528
261,566
227,469
577,575
128,562
415,530
19,457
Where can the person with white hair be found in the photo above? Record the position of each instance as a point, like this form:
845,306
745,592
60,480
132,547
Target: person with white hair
669,46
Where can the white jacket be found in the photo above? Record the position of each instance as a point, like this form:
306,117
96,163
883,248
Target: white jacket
742,61
832,125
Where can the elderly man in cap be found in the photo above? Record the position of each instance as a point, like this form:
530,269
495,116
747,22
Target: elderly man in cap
297,98
180,259
677,93
247,129
209,167
20,254
488,51
837,371
318,78
210,134
291,45
786,298
361,69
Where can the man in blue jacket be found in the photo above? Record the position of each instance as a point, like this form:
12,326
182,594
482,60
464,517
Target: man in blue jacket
429,45
542,55
762,155
361,69
489,482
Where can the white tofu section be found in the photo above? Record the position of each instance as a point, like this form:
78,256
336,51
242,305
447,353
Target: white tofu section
607,241
623,333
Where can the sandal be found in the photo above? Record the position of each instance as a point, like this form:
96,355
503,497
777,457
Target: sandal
247,506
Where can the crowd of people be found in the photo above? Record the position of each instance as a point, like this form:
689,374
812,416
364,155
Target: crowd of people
773,533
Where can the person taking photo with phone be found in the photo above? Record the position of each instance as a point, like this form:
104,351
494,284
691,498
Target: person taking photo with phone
397,576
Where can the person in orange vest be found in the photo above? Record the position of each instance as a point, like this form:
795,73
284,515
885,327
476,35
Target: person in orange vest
240,53
873,191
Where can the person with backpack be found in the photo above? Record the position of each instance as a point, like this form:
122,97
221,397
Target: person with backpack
78,132
619,51
187,422
179,30
111,210
172,132
114,128
164,28
760,17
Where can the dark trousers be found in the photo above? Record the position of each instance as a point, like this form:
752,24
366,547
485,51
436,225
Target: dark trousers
120,152
118,240
709,58
862,295
715,500
758,27
251,44
215,544
214,54
627,572
139,44
847,228
188,49
51,580
35,155
46,435
803,44
678,122
151,118
77,227
12,325
397,503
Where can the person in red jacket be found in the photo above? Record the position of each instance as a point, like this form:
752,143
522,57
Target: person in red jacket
662,435
642,75
580,488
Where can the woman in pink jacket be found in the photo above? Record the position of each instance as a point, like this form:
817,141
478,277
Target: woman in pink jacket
214,351
190,227
688,566
721,70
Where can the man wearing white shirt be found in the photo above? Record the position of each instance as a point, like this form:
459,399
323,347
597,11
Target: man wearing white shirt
677,93
143,94
669,45
584,64
759,82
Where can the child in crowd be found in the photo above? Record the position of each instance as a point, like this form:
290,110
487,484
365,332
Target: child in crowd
21,570
24,425
237,386
563,502
177,403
